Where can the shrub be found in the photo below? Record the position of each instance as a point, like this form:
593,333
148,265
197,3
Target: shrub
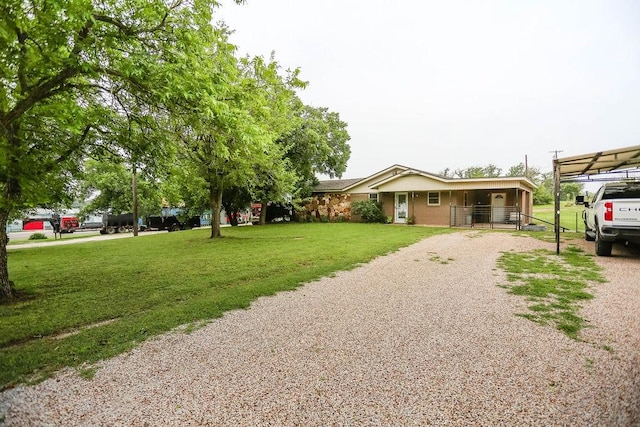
368,210
541,196
38,236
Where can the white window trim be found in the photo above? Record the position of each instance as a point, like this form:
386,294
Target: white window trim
374,197
429,199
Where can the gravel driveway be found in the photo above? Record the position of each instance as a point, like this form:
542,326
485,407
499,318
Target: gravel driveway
423,336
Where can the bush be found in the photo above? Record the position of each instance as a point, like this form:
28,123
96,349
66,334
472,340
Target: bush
368,210
38,236
541,196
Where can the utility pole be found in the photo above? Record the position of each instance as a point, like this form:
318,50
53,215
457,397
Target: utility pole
134,185
555,153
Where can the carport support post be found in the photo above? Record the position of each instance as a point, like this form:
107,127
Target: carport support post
556,191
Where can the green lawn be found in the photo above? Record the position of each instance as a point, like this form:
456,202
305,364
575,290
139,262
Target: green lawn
554,286
92,300
570,216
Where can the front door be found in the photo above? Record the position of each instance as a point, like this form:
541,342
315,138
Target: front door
401,208
498,207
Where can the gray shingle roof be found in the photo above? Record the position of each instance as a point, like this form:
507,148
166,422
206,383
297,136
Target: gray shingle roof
335,185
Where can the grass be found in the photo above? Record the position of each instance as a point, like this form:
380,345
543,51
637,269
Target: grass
554,285
93,300
570,216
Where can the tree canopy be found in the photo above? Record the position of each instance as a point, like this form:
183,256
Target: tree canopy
94,93
108,188
62,64
317,145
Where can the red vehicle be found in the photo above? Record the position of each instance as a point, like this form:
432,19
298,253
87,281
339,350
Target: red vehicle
68,224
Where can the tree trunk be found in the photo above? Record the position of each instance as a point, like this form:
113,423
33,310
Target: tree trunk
232,213
215,200
11,191
233,219
263,212
6,288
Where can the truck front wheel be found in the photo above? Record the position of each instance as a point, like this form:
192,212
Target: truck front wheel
602,248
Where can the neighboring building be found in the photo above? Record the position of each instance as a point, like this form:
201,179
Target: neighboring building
14,226
412,195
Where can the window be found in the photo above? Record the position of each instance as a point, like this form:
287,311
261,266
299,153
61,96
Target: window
466,199
373,197
622,190
433,199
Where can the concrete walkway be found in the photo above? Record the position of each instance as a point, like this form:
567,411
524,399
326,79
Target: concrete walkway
70,241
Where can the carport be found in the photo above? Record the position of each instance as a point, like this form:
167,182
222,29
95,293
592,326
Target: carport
611,165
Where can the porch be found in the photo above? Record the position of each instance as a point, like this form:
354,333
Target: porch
487,216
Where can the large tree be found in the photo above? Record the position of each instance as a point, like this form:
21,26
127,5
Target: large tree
108,187
273,180
531,172
316,144
228,136
186,188
59,65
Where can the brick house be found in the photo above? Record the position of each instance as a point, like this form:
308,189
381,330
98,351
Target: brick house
415,196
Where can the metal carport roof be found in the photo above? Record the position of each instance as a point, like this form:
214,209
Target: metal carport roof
585,166
616,164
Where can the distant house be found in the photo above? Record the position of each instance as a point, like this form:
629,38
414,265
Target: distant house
416,196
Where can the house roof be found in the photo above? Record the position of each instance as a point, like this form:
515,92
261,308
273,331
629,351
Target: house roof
347,184
396,172
395,169
407,172
335,185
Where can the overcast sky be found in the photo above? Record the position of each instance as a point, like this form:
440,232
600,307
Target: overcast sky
454,84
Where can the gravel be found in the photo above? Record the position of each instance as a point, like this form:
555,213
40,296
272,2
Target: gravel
423,336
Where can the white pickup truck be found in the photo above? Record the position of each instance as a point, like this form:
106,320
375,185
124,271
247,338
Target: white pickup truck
613,215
